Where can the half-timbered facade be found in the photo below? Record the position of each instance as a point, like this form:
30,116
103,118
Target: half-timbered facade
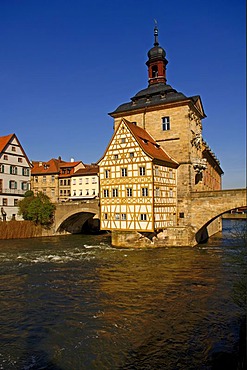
15,171
138,190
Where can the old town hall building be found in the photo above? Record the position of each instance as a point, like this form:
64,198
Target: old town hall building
154,161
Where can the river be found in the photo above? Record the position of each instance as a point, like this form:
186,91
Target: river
74,302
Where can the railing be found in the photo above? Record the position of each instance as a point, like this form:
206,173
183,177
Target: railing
12,191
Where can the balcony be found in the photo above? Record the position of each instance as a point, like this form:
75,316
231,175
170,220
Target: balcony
12,192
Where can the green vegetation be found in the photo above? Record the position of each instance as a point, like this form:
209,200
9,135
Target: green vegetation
37,208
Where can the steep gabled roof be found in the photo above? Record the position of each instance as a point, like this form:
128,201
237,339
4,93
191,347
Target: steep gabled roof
149,145
5,140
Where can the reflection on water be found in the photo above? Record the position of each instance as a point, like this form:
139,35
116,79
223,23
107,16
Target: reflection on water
73,302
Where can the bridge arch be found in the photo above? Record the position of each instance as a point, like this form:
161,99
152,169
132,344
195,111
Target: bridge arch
207,207
72,217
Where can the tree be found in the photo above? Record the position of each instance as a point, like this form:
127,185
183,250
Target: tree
37,208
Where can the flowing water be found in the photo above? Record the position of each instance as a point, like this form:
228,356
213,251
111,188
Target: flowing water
74,302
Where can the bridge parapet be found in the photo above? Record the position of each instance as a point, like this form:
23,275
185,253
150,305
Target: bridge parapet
208,205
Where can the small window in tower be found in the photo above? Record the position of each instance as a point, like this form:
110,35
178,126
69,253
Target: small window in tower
154,71
165,123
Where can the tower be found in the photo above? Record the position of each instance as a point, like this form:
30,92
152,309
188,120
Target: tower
174,121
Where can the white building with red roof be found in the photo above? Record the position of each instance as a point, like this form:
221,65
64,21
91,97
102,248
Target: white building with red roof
15,171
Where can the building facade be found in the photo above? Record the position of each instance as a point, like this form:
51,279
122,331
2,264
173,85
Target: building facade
85,183
174,121
138,189
15,172
53,178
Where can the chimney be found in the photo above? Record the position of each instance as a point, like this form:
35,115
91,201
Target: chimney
72,160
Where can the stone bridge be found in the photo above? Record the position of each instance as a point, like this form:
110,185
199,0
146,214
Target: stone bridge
207,206
71,216
205,209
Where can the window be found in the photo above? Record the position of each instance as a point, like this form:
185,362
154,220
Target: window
13,170
52,178
20,160
44,179
115,156
143,216
123,140
144,192
117,216
105,216
87,191
107,174
15,202
93,192
87,180
165,123
5,157
170,193
105,193
12,184
74,181
65,182
142,171
131,154
61,192
124,172
25,171
64,192
2,168
156,170
61,182
170,174
94,180
24,185
80,180
74,193
181,215
69,182
5,201
36,179
13,149
154,71
52,192
123,216
129,192
115,193
80,192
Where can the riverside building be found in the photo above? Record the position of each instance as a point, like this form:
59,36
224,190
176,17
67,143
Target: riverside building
170,122
15,171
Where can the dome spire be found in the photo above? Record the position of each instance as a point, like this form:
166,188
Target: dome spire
156,61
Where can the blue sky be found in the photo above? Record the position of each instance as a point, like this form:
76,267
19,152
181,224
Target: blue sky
65,64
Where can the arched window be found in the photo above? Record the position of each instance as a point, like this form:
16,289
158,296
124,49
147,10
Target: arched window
154,71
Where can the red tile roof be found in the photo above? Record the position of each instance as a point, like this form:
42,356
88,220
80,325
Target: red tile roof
89,170
43,168
149,145
4,141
